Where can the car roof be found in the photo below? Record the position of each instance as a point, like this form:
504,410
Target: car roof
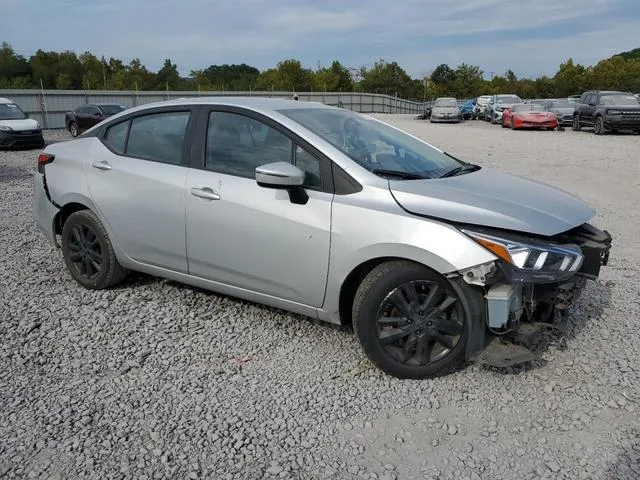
264,104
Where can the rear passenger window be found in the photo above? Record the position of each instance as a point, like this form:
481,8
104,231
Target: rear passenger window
116,137
158,137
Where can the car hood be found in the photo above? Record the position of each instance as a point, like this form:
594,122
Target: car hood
20,125
495,199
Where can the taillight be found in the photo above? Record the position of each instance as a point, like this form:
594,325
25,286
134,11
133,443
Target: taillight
43,159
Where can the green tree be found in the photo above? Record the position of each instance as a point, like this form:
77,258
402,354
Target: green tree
335,78
168,76
15,71
390,78
570,79
443,74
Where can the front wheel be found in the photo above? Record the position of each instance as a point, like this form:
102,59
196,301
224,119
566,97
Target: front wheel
410,321
598,126
576,124
73,129
88,252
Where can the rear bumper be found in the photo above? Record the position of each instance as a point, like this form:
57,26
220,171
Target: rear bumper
44,212
17,138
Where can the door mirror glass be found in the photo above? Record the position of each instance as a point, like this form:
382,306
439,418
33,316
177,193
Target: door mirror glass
279,175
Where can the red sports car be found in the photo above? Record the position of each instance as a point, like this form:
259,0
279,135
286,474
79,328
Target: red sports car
528,115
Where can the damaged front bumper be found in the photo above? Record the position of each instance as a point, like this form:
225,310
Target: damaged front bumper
517,301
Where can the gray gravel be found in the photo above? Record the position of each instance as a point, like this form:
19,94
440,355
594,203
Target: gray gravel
158,380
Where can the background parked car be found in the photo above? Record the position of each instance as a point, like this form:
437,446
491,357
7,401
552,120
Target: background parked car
562,109
607,111
528,115
467,109
86,116
445,109
16,128
480,106
497,104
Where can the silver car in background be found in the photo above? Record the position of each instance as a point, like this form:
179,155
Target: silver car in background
497,104
446,110
323,212
562,109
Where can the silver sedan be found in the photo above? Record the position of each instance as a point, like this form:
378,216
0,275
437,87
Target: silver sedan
323,212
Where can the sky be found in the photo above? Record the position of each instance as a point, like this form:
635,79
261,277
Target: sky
530,37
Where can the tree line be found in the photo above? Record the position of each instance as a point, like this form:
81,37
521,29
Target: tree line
67,70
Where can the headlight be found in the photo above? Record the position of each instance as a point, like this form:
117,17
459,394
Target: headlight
532,262
4,128
614,112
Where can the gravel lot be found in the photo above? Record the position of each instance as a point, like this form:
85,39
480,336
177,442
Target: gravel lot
159,380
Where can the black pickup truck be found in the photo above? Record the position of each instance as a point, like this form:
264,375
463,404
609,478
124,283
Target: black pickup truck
86,116
607,111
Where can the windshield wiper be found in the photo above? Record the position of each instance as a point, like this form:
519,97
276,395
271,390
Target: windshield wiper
467,167
397,173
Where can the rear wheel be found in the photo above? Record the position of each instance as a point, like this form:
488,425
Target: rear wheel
410,321
88,252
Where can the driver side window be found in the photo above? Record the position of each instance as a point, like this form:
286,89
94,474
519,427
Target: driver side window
237,144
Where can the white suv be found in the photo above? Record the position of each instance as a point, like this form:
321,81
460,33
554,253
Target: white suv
16,128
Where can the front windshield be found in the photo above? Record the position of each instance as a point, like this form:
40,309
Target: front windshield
527,107
446,102
10,111
112,109
508,99
629,100
483,100
373,144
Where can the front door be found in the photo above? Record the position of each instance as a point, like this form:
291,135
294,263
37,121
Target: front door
136,178
251,237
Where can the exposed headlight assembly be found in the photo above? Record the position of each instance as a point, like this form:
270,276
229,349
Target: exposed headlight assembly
532,262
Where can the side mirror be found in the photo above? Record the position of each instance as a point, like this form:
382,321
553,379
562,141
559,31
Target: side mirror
284,176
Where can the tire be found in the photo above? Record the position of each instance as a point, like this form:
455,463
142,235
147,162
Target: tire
402,354
73,129
513,125
84,238
492,120
503,125
598,126
576,124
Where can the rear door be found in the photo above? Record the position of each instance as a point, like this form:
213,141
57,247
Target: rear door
136,176
251,237
82,117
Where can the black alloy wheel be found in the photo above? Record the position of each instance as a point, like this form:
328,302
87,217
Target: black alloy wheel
410,320
576,124
85,251
598,126
88,252
417,324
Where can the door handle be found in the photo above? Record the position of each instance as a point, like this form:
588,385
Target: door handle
101,165
205,192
